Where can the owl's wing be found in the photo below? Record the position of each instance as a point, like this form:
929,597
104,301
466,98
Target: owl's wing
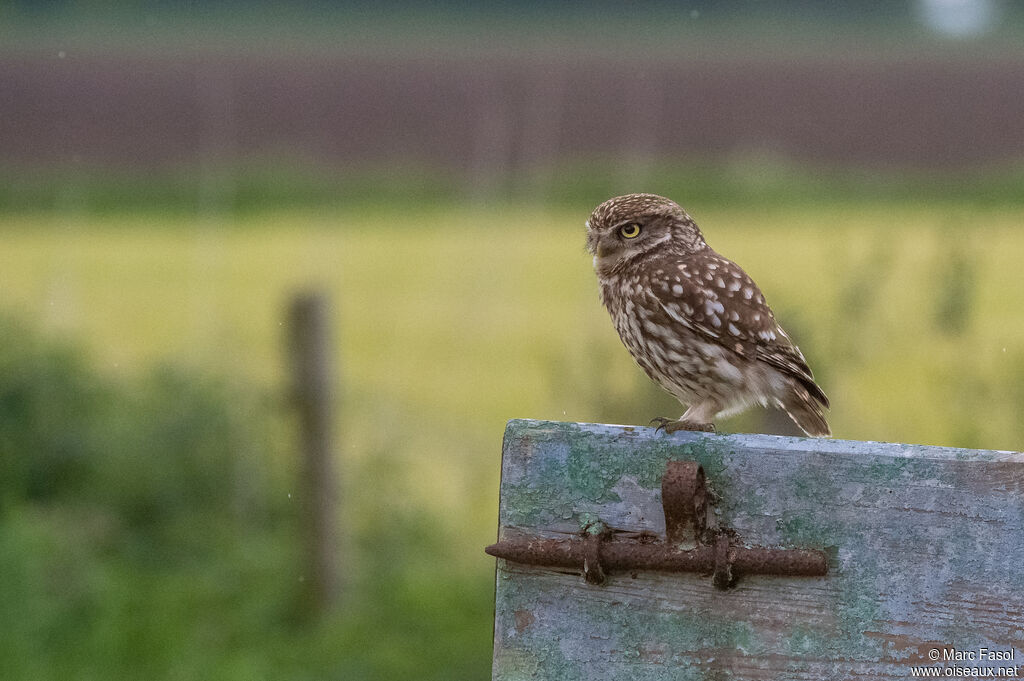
715,298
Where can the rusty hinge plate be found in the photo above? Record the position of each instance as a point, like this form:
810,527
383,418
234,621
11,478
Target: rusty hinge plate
685,503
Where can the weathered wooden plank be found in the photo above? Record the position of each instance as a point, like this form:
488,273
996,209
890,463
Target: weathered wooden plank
925,545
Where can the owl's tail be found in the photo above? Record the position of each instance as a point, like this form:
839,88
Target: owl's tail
807,412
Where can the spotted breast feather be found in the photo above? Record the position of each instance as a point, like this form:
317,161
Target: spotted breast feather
713,297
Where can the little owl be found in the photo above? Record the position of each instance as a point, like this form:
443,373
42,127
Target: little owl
693,320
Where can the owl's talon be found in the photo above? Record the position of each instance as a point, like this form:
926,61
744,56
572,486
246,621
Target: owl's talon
661,421
670,426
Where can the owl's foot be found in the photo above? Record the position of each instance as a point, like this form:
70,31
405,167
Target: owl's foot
670,426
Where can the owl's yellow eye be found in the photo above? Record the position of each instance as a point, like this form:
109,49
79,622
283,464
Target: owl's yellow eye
630,231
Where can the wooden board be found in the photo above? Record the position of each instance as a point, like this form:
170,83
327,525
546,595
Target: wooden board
925,546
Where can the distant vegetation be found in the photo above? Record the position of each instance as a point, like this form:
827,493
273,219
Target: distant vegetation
404,24
257,187
146,527
148,530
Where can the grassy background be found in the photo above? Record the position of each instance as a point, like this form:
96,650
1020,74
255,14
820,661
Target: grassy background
456,317
449,320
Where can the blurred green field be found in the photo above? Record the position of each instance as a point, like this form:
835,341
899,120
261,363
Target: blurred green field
451,320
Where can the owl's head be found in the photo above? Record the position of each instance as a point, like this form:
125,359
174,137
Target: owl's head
628,227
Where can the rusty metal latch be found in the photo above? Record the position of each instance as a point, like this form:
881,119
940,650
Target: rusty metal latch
684,501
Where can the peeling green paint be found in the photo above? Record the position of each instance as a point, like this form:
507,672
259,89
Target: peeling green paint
914,535
800,529
804,640
591,470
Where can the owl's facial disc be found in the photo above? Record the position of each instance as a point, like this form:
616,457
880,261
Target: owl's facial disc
628,228
614,244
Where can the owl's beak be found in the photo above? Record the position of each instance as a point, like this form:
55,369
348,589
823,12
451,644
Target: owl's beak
605,249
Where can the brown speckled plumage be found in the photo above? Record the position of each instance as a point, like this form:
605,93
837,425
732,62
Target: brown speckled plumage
693,320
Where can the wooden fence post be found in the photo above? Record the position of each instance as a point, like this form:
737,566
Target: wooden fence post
807,559
313,392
